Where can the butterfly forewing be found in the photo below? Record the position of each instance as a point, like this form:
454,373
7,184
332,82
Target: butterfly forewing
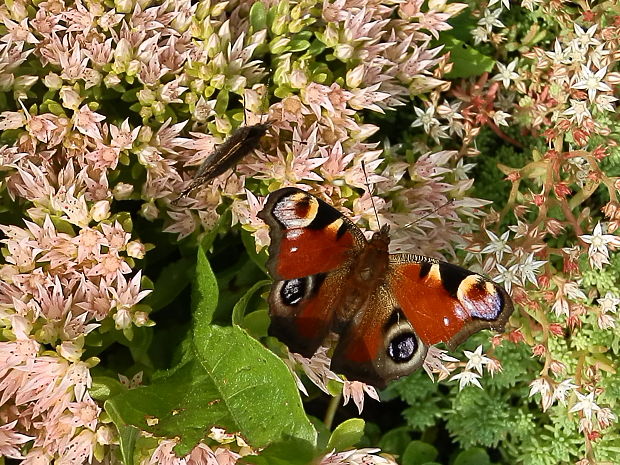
444,302
308,236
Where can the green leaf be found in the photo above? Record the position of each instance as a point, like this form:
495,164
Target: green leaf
419,453
467,60
288,452
258,16
170,283
395,441
205,293
226,379
257,323
104,387
127,436
346,435
473,456
239,308
298,45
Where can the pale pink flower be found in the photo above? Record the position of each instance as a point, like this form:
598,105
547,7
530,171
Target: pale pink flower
592,82
605,417
116,237
79,450
317,368
85,120
109,265
85,413
562,390
104,157
12,120
356,390
433,362
123,137
127,294
164,454
37,456
132,383
10,440
476,360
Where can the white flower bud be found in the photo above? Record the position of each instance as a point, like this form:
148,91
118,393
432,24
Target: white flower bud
354,76
100,211
122,191
53,81
122,319
149,211
136,249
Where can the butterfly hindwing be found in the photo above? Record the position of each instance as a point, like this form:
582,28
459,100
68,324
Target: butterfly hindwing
381,344
422,302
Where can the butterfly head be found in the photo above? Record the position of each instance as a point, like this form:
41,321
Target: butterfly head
381,238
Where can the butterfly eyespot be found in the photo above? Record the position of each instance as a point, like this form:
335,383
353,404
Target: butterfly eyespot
403,347
293,291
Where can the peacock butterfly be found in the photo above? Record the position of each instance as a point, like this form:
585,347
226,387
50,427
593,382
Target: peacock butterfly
241,142
386,309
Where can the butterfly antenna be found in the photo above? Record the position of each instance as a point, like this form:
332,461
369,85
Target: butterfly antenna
245,119
445,204
374,207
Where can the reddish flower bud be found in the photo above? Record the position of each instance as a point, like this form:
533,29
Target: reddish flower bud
514,176
561,190
581,137
573,321
600,152
539,199
556,329
569,265
539,350
550,134
543,280
594,435
516,336
589,16
557,367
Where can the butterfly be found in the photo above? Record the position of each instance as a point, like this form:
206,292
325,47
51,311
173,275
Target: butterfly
241,142
386,309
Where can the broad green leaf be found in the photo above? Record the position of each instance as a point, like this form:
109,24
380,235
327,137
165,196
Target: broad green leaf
205,292
395,441
287,452
226,379
419,453
467,60
346,434
170,283
239,309
257,323
473,456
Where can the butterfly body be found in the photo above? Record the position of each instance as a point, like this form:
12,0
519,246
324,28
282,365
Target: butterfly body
385,309
228,154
